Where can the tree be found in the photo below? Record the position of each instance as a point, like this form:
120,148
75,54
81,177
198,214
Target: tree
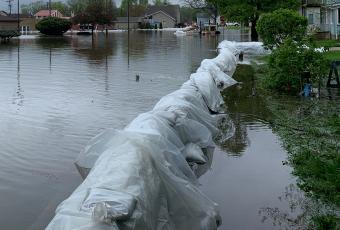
277,26
61,7
250,10
136,9
290,60
77,6
188,14
209,6
144,3
53,26
33,8
100,11
160,2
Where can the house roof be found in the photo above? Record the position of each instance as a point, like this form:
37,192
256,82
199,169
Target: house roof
125,19
7,19
21,15
171,10
45,13
3,13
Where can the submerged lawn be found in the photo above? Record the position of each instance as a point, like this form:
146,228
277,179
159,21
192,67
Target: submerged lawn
310,131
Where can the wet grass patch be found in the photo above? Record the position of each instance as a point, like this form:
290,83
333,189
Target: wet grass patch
309,129
310,132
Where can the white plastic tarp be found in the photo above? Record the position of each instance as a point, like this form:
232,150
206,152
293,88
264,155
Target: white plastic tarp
145,176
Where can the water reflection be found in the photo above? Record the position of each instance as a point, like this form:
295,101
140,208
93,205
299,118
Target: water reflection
246,108
96,48
50,42
300,212
242,35
69,89
18,99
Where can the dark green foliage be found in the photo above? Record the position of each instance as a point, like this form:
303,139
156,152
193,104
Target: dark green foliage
326,222
156,27
279,25
288,62
249,11
99,11
188,14
8,34
161,25
53,26
93,12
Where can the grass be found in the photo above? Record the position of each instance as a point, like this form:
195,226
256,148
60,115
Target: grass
328,43
332,55
310,132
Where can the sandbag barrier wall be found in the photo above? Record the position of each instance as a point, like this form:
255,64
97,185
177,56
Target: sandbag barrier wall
145,176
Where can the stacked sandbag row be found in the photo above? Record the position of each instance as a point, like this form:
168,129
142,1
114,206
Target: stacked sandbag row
145,176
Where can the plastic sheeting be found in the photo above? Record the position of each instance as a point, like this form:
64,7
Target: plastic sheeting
145,176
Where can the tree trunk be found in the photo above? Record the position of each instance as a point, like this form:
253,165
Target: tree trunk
253,33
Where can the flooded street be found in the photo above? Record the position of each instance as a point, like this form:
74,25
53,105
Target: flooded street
247,172
58,93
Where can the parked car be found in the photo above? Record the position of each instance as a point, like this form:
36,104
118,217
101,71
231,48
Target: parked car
232,24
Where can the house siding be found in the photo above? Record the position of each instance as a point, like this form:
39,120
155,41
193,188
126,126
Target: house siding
124,25
313,15
8,26
27,24
166,21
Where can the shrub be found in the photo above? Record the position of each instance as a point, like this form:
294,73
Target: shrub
289,61
279,25
161,25
53,26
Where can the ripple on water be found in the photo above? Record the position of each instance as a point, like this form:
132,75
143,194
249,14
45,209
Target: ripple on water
57,93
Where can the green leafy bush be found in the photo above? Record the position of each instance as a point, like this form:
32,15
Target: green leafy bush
53,26
288,63
279,25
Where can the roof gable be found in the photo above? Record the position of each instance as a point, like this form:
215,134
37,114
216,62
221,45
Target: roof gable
45,13
162,12
170,10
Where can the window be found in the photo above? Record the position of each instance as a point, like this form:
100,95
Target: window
339,16
310,19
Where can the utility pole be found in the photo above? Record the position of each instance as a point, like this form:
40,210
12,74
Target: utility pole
49,7
9,6
18,16
128,14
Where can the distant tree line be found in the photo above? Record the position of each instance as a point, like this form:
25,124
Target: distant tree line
243,11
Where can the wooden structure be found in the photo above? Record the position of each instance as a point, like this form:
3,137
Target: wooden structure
334,69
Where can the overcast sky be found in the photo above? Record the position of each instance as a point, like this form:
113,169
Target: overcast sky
4,4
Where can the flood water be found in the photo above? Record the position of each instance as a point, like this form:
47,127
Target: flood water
57,93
